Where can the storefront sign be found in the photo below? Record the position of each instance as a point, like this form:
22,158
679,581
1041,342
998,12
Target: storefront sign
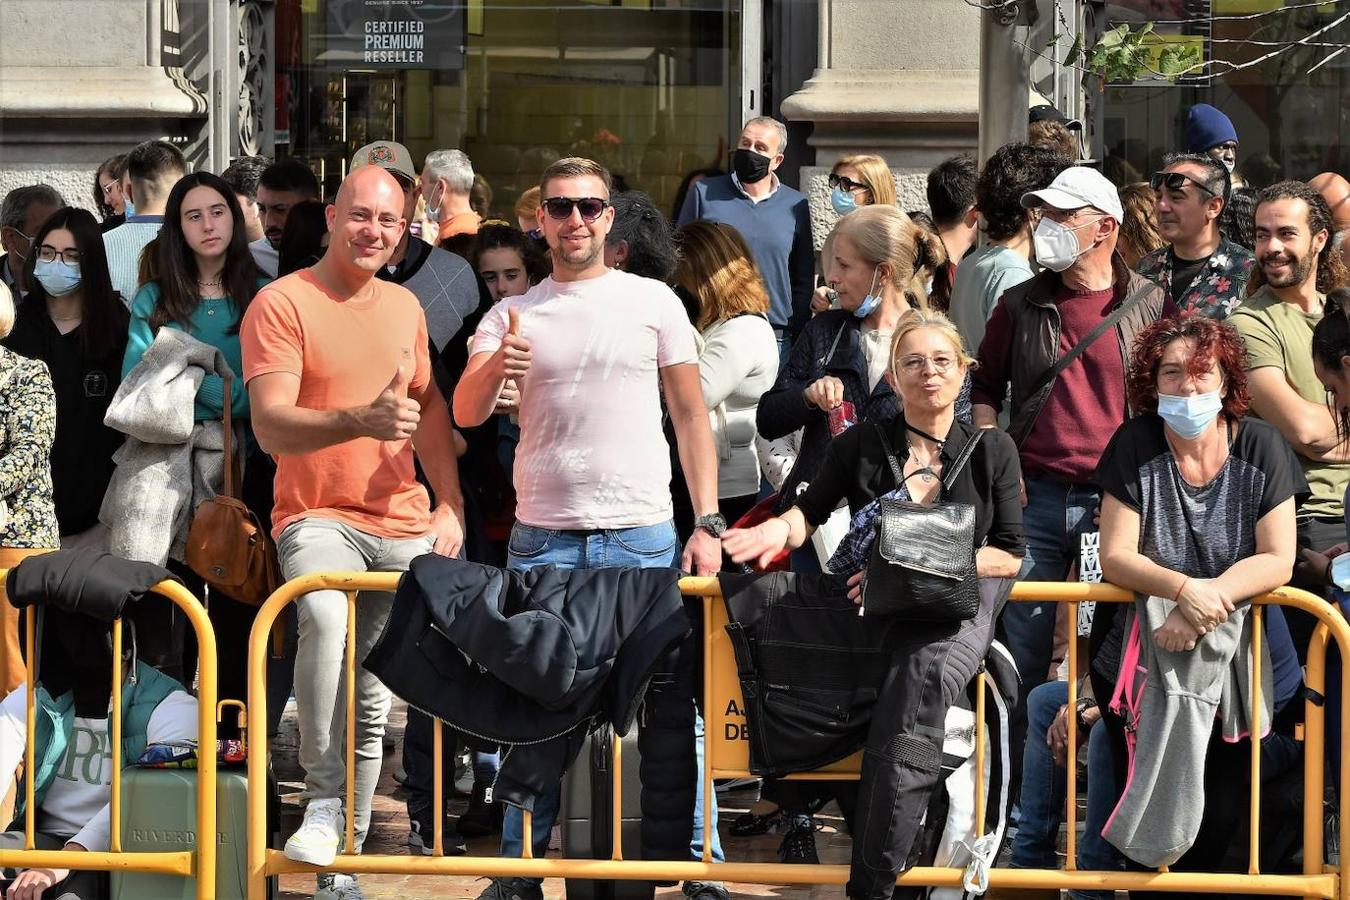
393,34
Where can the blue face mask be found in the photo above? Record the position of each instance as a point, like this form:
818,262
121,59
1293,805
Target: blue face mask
128,208
871,301
57,277
1189,416
842,201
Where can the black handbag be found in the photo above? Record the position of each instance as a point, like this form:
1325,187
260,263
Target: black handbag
922,563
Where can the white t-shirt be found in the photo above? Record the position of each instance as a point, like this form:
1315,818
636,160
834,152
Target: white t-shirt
591,451
76,803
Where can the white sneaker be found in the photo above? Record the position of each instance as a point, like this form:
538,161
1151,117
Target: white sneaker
317,839
335,886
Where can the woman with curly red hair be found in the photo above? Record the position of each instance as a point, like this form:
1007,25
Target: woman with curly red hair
1197,518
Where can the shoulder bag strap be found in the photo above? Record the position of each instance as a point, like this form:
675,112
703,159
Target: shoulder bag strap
1103,326
229,435
890,455
949,478
825,360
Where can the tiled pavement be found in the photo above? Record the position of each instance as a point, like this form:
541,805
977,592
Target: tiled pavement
389,832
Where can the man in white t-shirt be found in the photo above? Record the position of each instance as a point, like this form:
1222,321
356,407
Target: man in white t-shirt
591,350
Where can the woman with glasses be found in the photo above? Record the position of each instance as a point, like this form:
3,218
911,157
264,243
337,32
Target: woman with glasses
206,278
76,323
903,456
108,199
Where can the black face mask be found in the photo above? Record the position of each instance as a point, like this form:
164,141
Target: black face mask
750,166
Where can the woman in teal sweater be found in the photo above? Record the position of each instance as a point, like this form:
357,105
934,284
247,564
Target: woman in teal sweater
205,278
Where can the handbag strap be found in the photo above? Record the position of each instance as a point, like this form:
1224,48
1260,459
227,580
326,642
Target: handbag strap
229,435
949,478
1081,347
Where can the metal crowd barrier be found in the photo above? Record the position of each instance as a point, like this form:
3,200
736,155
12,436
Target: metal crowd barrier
728,757
199,863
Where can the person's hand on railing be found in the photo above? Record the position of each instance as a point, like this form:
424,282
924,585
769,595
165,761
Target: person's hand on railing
1176,634
1057,735
32,883
1203,604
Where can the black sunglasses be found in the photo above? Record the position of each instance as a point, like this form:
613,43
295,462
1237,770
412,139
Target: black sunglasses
847,184
560,208
1175,181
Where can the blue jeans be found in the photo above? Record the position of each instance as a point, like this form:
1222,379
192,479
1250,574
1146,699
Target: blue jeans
1044,793
647,546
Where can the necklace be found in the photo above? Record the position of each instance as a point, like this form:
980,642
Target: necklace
215,283
925,471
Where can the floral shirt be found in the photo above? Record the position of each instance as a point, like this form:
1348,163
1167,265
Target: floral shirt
27,429
1216,291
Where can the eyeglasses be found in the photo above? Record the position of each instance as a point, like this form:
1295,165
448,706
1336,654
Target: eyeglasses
913,365
1175,181
48,253
108,187
847,184
560,208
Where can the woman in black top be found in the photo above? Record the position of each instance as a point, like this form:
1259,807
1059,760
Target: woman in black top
75,322
931,662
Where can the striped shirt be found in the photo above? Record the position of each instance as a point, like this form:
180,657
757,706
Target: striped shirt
124,245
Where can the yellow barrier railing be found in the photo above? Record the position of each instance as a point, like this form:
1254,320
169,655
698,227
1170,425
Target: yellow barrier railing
200,862
729,758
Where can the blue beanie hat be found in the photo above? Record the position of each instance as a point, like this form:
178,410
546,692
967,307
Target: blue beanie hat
1207,127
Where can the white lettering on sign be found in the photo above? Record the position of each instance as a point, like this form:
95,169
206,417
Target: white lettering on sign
395,42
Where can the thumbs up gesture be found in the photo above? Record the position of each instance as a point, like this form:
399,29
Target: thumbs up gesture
513,356
393,416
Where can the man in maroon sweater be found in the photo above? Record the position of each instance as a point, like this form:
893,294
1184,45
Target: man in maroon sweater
1061,425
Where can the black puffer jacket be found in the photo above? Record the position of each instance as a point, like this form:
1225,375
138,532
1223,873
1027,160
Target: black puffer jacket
530,658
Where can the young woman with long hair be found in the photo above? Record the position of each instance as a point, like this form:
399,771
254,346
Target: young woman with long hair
76,323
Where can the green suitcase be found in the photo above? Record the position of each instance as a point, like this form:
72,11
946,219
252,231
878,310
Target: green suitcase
159,813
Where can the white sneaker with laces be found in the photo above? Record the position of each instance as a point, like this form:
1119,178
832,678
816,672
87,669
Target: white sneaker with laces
317,839
335,886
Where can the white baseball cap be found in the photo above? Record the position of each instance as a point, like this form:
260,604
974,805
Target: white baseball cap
1075,187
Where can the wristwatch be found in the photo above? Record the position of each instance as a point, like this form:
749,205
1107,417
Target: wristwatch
1083,705
713,523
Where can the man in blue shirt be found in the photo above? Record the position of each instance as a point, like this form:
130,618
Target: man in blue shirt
772,217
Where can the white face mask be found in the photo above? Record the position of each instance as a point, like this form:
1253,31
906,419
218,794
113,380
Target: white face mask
1189,416
1056,244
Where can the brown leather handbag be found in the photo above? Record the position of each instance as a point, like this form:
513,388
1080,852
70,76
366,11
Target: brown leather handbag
226,544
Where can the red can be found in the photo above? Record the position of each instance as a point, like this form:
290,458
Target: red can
842,418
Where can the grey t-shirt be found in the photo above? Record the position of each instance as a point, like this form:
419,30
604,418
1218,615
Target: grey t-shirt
980,280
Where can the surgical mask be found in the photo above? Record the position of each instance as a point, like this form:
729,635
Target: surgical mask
128,207
842,201
871,300
750,166
1340,571
57,277
1055,244
1230,166
434,211
1189,416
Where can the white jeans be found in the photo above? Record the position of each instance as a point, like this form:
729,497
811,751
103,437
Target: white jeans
316,545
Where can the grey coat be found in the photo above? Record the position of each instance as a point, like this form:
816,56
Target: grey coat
170,462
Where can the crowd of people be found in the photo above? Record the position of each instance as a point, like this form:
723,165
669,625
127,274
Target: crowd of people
1154,369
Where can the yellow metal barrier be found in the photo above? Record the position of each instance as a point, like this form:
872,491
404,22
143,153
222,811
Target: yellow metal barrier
726,751
201,862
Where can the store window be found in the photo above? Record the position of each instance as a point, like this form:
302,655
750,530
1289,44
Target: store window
646,87
1290,110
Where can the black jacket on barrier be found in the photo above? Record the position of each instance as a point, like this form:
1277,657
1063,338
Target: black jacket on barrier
528,659
83,581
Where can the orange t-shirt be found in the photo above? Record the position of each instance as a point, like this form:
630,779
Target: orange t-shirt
345,353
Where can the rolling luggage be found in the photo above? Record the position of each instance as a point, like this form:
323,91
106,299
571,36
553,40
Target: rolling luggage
586,812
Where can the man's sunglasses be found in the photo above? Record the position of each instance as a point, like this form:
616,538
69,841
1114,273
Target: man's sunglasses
1175,181
847,184
560,208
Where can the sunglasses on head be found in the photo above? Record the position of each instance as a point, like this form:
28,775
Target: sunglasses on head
560,208
847,184
1175,181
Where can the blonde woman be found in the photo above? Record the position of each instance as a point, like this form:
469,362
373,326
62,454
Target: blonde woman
878,266
738,360
860,180
1139,235
905,456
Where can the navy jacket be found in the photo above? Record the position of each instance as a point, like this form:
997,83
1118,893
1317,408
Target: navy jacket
528,659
